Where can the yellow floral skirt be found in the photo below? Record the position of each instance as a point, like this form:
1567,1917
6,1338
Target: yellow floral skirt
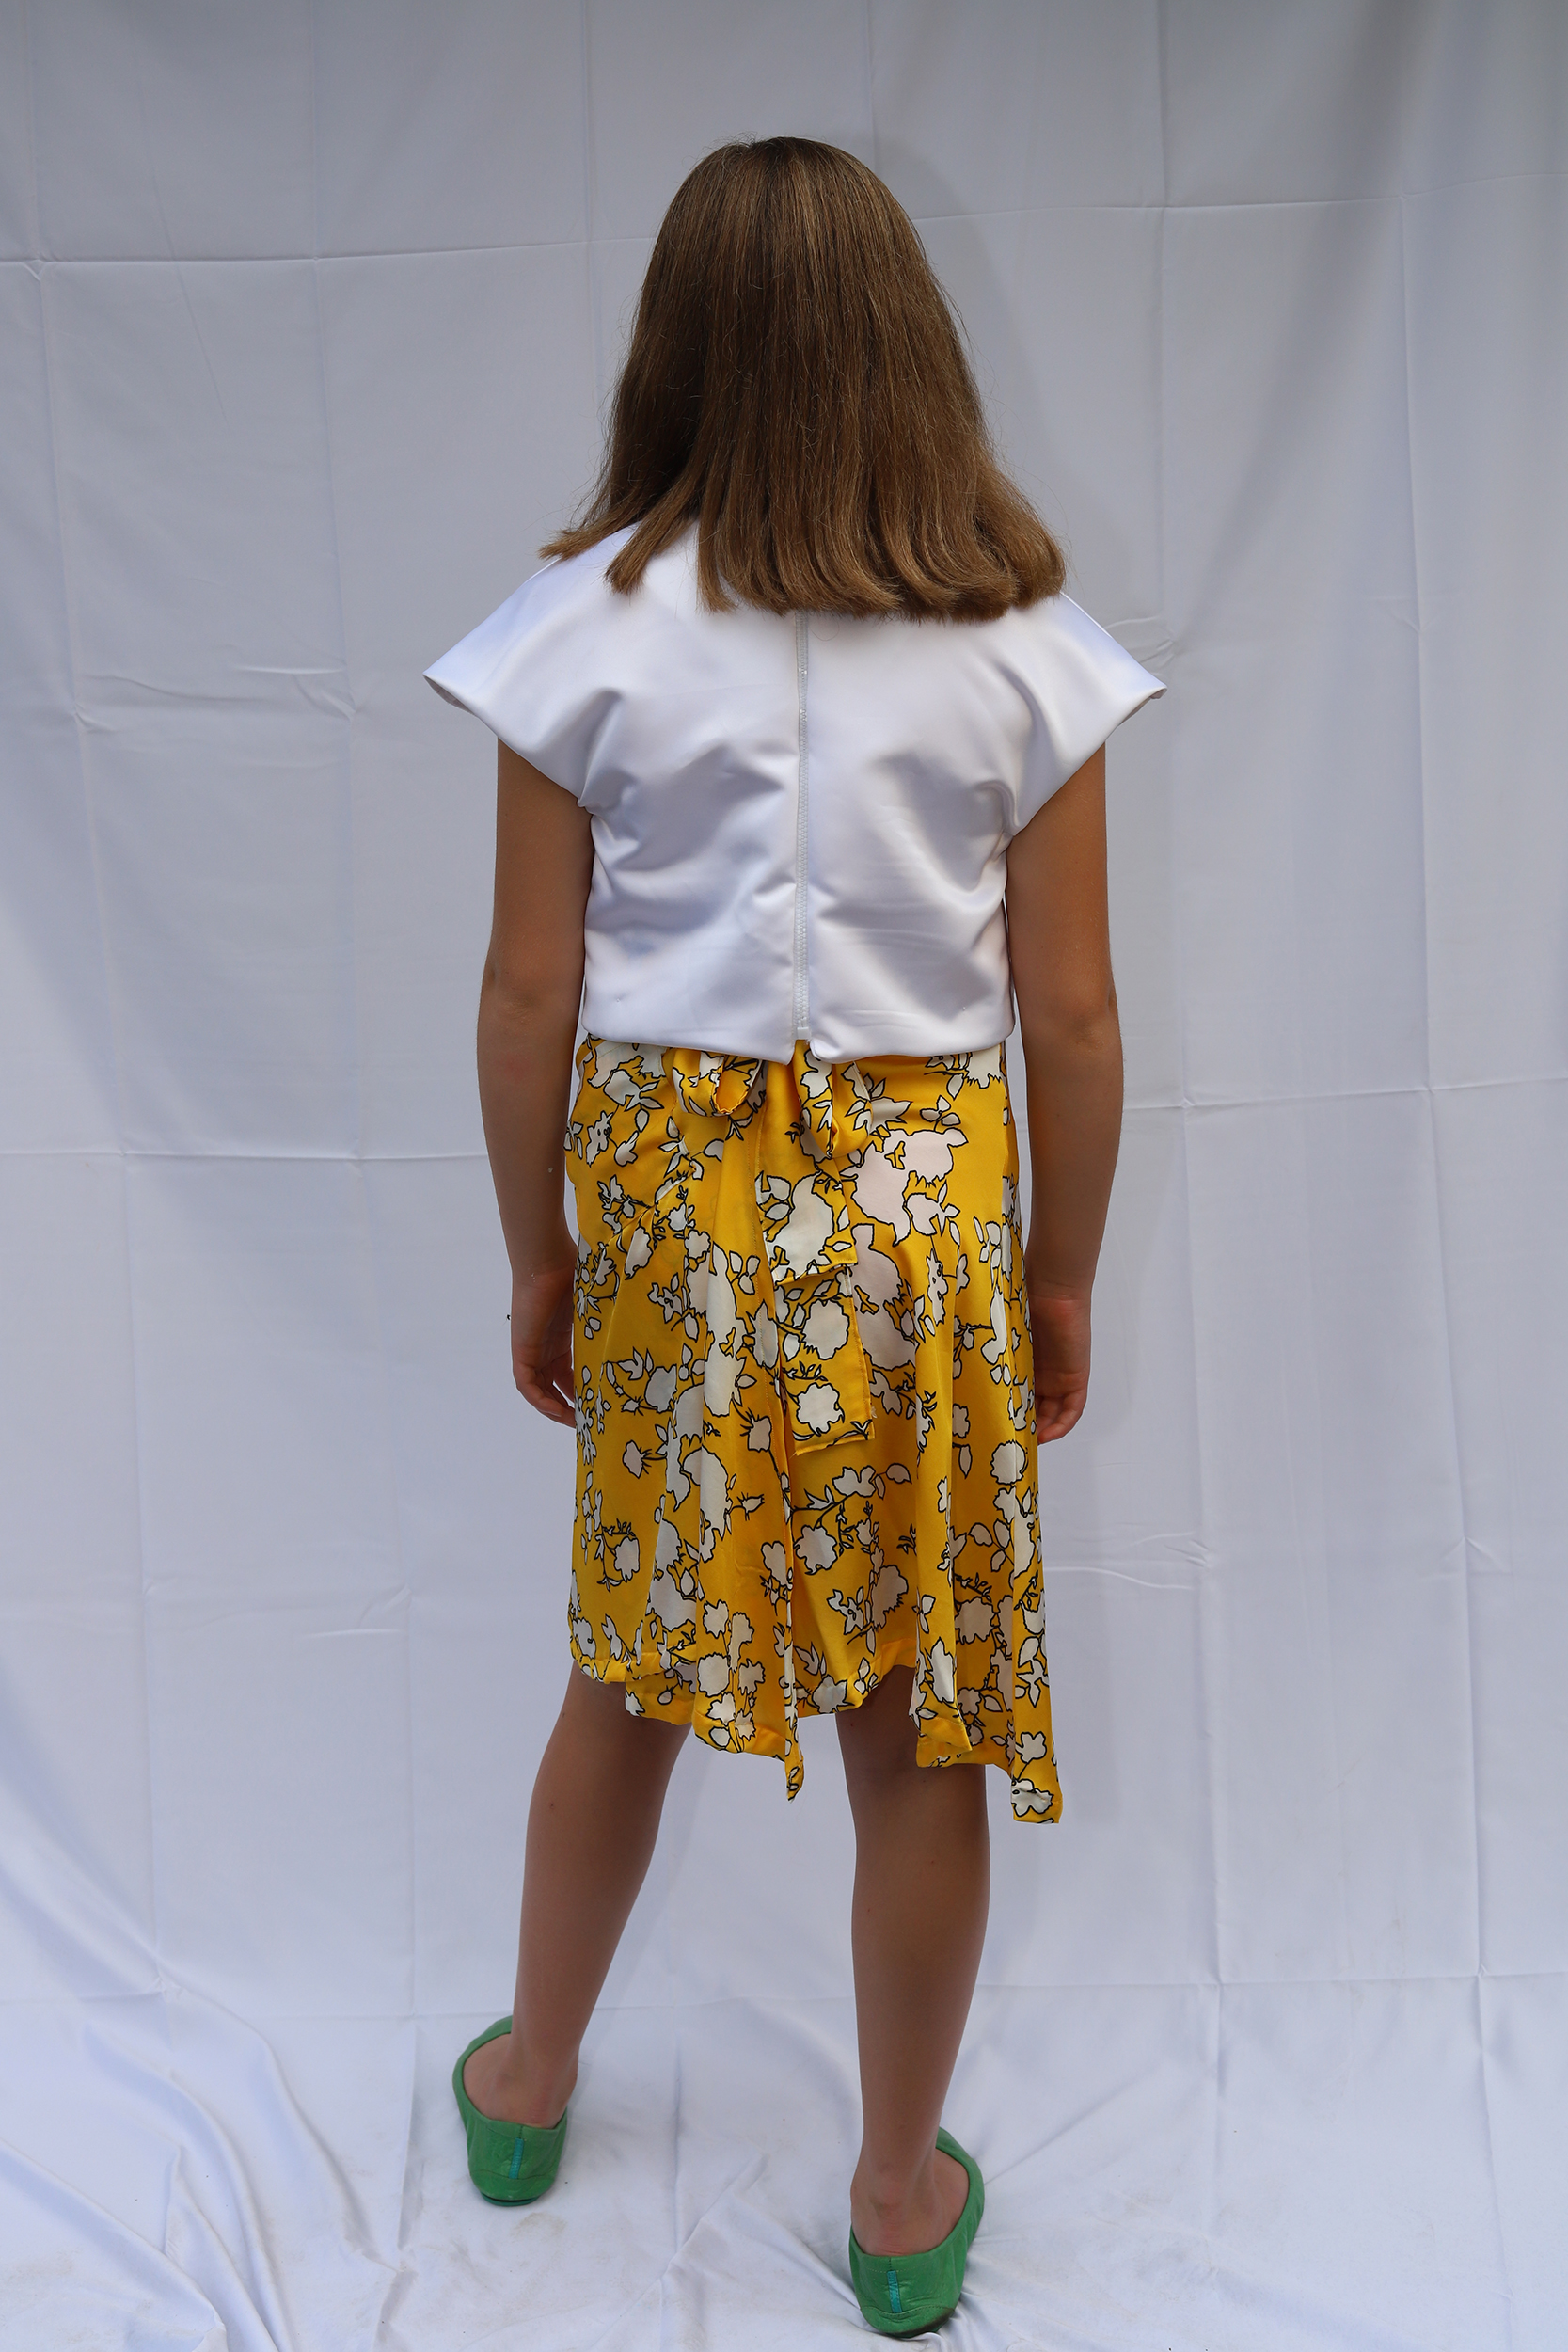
806,1400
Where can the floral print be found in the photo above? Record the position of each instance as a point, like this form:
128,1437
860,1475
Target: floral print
806,1400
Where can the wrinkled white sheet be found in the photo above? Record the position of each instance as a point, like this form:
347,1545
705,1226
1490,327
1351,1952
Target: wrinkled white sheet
305,314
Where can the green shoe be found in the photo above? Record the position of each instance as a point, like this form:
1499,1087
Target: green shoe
901,2294
512,2164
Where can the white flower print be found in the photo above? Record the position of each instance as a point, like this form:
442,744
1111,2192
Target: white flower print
765,1403
826,1328
874,1274
625,1152
1029,1666
1013,1529
668,1602
718,1298
719,1374
677,1484
880,1192
973,1620
874,1107
999,1346
865,1480
614,1647
853,1611
883,1342
713,1488
765,1338
929,1156
816,1548
638,1249
888,1588
818,1406
810,1222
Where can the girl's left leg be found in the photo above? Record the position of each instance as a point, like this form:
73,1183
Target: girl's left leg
591,1827
922,1885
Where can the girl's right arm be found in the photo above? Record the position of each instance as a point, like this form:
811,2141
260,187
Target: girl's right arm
1058,937
527,1018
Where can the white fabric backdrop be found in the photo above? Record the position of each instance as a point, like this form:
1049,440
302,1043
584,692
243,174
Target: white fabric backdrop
307,314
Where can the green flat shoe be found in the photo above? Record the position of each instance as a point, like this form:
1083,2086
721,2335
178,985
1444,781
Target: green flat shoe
901,2294
512,2164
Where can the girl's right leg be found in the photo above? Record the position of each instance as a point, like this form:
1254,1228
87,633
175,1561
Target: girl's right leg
922,1888
592,1825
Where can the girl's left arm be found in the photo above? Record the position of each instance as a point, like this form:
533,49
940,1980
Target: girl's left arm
528,1002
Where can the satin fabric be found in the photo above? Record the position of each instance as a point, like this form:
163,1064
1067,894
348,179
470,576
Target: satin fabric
733,761
805,1401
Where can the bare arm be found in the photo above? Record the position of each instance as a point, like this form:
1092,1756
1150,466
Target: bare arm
527,1016
1058,937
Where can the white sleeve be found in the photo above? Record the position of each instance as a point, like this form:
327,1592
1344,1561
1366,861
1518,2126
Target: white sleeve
522,672
1080,685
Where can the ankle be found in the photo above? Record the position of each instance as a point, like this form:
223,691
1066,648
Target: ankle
543,2084
515,2085
888,2198
890,2190
896,2210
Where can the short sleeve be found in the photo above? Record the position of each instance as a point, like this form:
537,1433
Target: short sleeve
523,672
1080,685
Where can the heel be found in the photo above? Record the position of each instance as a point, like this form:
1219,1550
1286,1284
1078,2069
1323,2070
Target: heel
511,2164
903,2295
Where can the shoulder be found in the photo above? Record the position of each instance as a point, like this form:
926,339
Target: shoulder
1053,650
551,613
572,586
1052,625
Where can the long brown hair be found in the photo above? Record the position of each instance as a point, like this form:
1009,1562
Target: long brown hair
796,386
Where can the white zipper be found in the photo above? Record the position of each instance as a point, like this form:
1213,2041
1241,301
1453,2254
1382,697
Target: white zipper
802,993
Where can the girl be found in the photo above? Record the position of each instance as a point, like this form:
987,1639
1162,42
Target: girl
800,785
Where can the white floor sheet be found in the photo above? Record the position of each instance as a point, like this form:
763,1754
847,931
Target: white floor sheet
307,316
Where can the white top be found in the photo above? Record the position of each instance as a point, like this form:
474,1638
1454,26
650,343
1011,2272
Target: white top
799,822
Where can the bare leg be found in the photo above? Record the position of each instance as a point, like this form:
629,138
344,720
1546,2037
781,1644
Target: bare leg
922,1886
590,1830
